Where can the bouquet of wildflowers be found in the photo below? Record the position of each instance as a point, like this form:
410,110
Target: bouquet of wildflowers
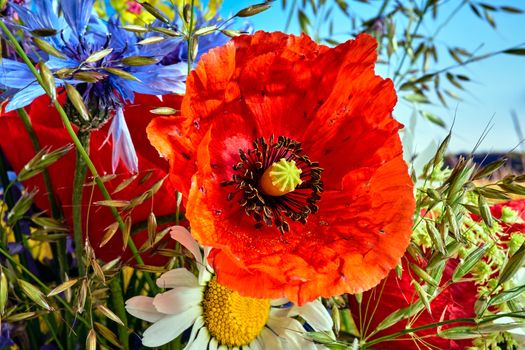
175,178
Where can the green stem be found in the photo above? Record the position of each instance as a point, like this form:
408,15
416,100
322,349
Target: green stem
51,325
405,52
9,200
382,8
80,149
190,37
290,15
60,249
117,300
420,328
78,188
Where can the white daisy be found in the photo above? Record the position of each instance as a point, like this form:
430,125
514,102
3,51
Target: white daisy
219,317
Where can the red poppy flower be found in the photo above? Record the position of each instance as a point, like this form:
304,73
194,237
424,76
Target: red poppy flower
291,165
517,205
18,149
454,302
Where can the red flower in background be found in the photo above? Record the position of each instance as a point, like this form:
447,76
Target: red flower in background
291,165
455,301
18,149
518,205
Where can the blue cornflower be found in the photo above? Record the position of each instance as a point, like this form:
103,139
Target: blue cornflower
106,84
110,81
5,335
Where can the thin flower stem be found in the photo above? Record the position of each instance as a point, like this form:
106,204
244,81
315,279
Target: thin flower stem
60,249
382,9
405,52
78,188
117,300
9,200
290,15
52,328
81,150
416,329
190,38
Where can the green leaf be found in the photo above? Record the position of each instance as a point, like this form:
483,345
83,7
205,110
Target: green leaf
508,295
97,56
205,30
121,73
21,207
78,102
434,119
470,261
164,111
3,291
416,98
34,294
139,60
41,160
462,332
49,81
484,211
154,12
44,32
62,287
513,265
89,77
253,10
304,21
166,31
107,334
47,48
151,40
400,314
511,9
489,168
423,275
231,33
135,28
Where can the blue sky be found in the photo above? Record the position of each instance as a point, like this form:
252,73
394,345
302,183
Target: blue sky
497,87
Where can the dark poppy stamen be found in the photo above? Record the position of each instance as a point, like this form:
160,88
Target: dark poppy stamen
268,208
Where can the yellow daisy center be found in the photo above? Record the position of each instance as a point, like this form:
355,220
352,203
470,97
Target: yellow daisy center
232,319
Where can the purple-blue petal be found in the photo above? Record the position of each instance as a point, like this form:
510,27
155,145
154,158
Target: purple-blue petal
77,14
14,74
123,148
25,96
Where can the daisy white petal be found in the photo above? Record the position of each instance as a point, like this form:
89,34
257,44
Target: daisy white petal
183,236
177,278
169,328
256,345
143,308
315,314
270,340
201,342
177,300
291,332
214,344
199,323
